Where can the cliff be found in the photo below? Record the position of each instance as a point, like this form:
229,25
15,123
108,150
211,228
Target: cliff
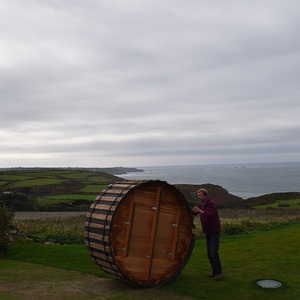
221,196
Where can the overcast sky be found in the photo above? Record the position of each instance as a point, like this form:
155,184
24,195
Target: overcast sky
93,83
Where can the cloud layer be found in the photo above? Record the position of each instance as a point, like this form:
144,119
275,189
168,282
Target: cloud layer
137,83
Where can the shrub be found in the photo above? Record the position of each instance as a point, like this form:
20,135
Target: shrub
77,205
232,229
284,205
19,202
6,217
58,238
54,230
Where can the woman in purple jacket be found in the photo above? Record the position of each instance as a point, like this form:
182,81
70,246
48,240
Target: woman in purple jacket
211,226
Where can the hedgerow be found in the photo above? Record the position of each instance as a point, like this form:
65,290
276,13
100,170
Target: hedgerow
6,217
71,230
54,230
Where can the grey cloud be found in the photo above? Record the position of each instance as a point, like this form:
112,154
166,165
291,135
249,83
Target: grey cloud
138,83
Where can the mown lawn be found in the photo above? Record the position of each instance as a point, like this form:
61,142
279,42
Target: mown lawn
246,258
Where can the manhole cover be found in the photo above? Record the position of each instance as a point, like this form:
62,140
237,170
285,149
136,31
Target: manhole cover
269,283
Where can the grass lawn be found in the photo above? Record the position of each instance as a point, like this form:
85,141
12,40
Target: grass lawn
271,254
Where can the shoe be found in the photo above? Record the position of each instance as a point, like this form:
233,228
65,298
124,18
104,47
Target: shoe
218,277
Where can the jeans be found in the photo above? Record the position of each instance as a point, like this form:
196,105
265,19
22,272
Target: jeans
212,244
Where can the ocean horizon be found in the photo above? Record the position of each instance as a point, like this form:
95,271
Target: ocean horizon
244,180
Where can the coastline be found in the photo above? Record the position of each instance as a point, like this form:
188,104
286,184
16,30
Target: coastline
243,180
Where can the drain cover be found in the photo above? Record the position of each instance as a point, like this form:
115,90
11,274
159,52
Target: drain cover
269,283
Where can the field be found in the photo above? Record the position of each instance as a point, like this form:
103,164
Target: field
287,204
41,270
72,189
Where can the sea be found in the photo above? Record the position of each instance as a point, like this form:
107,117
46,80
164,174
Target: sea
243,180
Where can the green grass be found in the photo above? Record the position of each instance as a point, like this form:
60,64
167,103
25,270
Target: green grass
77,174
284,204
55,199
47,200
93,188
9,177
34,182
56,186
66,257
247,258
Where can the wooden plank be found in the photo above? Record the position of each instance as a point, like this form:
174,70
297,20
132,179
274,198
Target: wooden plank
143,196
175,235
116,191
95,225
138,245
104,264
106,207
163,269
112,272
102,256
108,198
126,185
93,245
97,236
99,217
128,229
134,268
156,207
164,234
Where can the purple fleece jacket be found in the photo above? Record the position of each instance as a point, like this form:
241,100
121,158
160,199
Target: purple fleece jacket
210,220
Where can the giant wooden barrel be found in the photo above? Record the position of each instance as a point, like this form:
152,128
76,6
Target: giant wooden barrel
140,231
